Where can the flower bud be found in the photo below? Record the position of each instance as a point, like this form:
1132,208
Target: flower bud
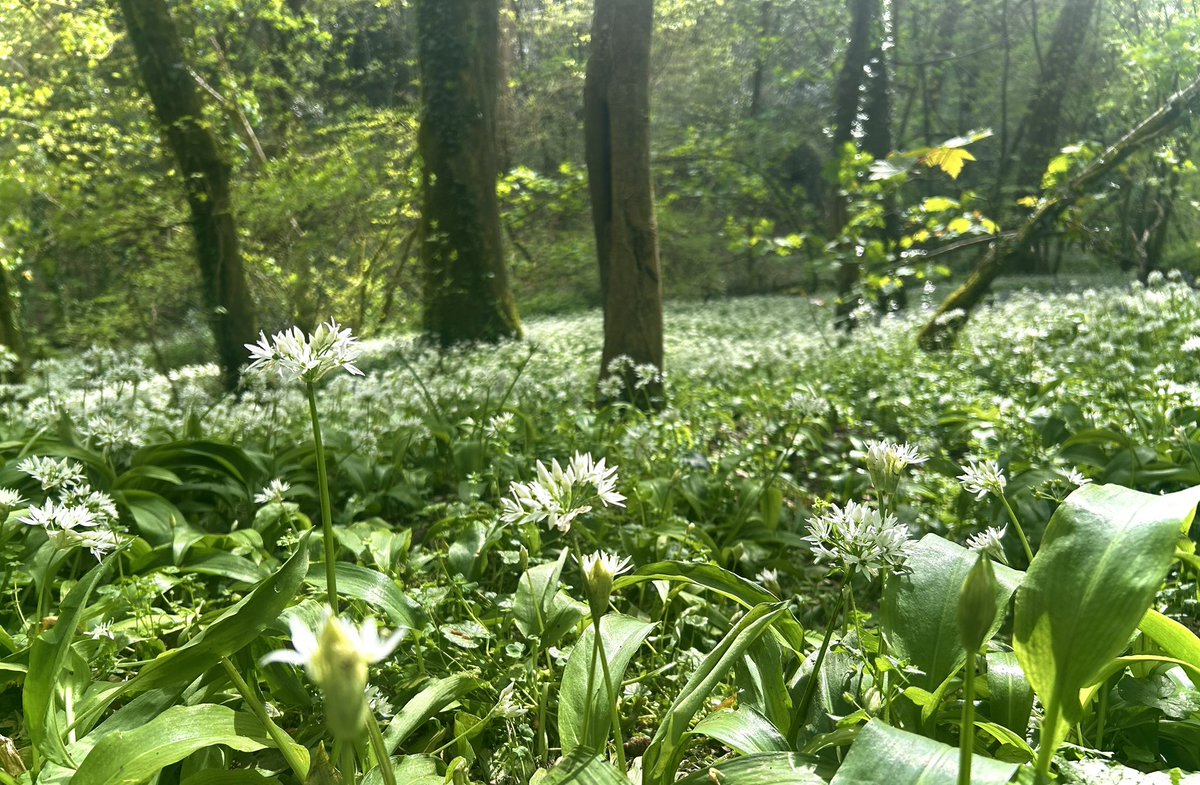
599,571
340,670
977,604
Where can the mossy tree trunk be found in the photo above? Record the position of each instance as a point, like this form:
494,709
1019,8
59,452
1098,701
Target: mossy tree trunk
11,336
206,175
616,100
467,296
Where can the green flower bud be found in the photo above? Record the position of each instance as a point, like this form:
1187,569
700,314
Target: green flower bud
977,604
599,571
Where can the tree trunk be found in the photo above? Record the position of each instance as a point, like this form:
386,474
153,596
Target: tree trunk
1043,118
616,100
467,297
11,337
942,330
206,174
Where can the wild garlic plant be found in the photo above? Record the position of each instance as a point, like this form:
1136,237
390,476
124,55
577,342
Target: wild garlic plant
295,357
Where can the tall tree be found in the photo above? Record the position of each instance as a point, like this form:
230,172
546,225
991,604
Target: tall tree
467,297
10,324
616,121
1042,126
206,175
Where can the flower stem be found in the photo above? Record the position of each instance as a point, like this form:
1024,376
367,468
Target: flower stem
1012,516
1046,748
326,507
382,759
810,689
287,747
966,734
614,706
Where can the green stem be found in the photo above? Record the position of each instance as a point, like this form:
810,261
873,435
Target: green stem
966,734
810,689
1101,715
1012,516
285,743
614,706
326,507
587,712
1046,748
382,759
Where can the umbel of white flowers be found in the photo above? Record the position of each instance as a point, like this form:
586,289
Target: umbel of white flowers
295,356
857,537
560,495
336,659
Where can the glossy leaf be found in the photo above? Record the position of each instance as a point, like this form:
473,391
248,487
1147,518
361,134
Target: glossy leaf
667,746
723,582
131,757
584,767
1011,697
1172,637
373,588
424,705
743,730
622,636
883,755
771,768
1103,557
920,608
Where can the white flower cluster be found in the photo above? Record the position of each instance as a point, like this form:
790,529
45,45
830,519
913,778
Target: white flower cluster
982,477
560,495
295,356
891,459
989,542
857,537
80,516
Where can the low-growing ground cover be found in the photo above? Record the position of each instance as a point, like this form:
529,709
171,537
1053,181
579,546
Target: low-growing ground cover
806,504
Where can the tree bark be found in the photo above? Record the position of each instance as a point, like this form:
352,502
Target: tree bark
942,330
1044,115
467,296
206,175
616,101
11,336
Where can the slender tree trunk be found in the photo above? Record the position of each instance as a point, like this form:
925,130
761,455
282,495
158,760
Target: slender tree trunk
616,99
1043,118
942,330
467,297
11,336
206,175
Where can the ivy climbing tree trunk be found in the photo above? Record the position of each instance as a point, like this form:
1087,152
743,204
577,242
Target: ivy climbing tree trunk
467,297
206,175
616,120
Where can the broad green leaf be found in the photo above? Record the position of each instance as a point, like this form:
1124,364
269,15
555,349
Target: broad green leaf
425,704
1172,637
723,582
666,747
920,608
1100,772
771,768
1011,698
621,636
372,587
584,767
540,608
238,777
762,685
743,730
133,756
237,627
883,755
1103,557
47,655
409,770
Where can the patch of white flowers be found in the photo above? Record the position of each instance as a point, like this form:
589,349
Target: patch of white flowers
989,542
80,516
858,537
559,495
982,477
294,356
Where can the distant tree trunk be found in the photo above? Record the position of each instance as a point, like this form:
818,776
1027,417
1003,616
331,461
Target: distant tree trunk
467,297
862,102
1042,132
206,175
616,100
10,324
